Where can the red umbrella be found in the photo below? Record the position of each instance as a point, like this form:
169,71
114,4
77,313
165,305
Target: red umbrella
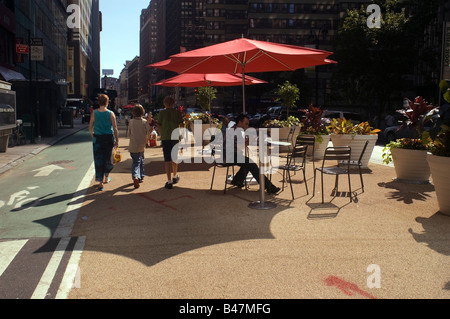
214,79
244,55
129,106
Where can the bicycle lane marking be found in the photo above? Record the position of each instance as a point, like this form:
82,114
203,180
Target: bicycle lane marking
63,231
65,226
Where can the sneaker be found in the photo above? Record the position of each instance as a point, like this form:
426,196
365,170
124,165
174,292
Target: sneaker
176,179
168,185
136,183
273,189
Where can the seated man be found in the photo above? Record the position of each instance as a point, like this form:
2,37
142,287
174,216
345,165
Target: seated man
237,156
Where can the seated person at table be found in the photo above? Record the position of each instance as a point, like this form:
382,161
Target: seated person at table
238,158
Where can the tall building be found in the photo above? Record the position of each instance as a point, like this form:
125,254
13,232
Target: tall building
42,23
8,57
83,51
134,88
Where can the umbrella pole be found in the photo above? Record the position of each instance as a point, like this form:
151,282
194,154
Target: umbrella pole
243,89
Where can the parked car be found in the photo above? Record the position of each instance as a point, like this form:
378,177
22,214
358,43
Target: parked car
279,113
194,110
329,115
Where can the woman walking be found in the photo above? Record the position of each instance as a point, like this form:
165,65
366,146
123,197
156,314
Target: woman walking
105,137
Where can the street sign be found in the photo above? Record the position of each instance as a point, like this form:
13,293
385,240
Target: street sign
37,49
21,48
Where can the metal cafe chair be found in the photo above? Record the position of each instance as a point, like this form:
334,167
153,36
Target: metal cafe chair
227,176
357,163
335,154
311,142
298,153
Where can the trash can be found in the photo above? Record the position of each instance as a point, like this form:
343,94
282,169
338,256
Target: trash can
67,116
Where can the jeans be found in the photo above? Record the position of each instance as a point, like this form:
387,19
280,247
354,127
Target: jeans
137,167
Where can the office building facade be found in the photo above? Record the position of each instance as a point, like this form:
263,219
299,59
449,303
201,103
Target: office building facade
83,51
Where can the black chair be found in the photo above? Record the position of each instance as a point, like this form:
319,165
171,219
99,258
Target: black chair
298,153
227,176
311,142
335,154
357,163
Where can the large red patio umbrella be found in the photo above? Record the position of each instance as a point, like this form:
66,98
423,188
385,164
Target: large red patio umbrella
241,56
244,55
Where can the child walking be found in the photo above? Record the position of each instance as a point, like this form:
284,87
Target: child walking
138,132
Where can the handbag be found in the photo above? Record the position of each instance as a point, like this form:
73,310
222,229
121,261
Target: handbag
116,156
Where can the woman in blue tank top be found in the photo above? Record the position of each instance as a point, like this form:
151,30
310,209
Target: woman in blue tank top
105,137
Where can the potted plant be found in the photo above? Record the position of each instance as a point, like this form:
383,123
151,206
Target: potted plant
439,161
314,125
345,133
289,95
206,121
410,154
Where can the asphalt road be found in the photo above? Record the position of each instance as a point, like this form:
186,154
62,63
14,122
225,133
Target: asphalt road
39,200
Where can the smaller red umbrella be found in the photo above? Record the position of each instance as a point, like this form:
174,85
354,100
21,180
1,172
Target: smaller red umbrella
215,79
127,107
209,80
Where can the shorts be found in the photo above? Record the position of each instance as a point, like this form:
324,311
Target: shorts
168,146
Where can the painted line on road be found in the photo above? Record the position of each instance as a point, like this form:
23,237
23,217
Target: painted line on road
50,271
8,250
72,271
65,226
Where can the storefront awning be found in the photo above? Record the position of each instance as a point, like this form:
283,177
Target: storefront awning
10,75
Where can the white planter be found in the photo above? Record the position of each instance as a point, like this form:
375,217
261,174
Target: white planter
411,165
440,172
356,142
319,147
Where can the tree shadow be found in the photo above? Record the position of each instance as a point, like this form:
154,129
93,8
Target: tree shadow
435,234
407,193
153,225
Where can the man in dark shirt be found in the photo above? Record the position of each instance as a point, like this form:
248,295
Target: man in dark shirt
237,155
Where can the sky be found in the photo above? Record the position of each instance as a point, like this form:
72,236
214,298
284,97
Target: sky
119,39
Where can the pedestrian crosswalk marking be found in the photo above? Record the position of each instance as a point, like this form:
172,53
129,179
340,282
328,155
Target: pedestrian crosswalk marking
47,278
72,275
8,250
60,274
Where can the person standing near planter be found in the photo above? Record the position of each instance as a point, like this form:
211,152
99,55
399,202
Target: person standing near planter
138,132
169,120
105,137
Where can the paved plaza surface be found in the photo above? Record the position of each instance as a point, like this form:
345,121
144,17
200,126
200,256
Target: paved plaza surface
193,242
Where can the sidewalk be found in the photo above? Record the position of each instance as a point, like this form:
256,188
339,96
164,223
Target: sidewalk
193,242
18,154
